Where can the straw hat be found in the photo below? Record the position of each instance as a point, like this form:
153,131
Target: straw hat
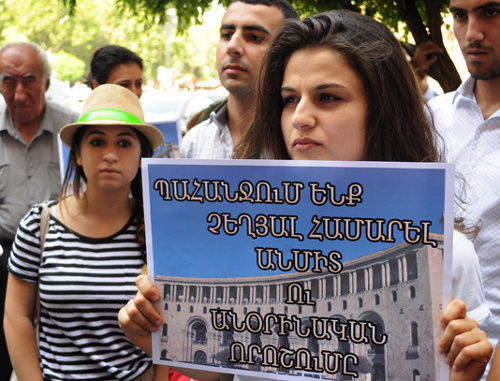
112,105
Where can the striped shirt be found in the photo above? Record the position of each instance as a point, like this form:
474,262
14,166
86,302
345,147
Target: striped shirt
83,284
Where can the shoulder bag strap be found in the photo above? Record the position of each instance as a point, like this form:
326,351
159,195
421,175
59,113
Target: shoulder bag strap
44,228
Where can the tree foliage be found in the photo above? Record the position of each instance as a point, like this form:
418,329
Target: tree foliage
76,33
78,27
69,68
421,18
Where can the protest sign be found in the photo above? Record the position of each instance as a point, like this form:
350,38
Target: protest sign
278,269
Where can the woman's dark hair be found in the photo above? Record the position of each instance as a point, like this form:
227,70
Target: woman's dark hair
106,59
74,179
397,128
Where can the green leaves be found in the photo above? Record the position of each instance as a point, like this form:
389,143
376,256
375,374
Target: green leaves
79,27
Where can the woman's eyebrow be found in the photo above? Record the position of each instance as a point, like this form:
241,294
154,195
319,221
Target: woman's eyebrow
319,87
97,132
329,86
127,134
287,88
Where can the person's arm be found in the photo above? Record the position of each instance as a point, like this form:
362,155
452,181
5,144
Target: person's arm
139,318
494,373
426,54
19,329
465,346
161,373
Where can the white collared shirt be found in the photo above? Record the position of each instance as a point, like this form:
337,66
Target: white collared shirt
210,139
473,144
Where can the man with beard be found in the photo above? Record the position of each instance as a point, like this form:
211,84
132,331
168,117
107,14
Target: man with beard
469,121
245,33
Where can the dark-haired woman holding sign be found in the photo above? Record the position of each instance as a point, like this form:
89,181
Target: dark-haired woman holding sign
337,86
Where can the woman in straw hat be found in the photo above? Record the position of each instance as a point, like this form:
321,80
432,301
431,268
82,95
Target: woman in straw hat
94,249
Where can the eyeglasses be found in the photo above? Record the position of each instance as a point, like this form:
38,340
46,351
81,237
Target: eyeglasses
9,81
